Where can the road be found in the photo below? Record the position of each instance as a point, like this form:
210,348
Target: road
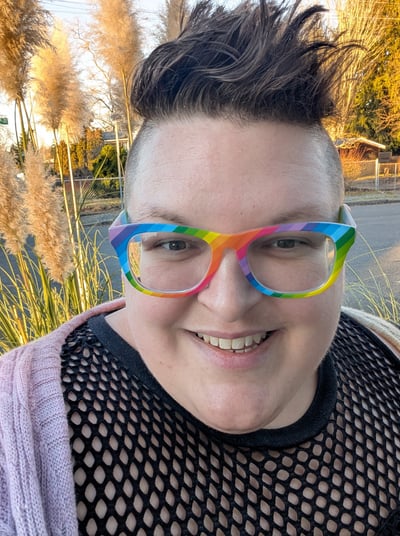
373,265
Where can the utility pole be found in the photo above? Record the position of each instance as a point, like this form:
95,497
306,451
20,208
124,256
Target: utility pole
118,162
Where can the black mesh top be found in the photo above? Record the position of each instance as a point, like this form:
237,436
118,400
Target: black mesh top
145,466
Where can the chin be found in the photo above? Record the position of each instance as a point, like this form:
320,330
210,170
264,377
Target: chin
242,427
231,419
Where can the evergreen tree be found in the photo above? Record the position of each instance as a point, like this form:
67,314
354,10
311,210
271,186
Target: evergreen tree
377,103
106,164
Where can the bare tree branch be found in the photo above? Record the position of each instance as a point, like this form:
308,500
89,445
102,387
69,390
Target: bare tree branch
117,37
361,21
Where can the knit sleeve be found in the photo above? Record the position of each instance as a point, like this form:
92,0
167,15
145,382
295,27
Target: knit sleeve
22,491
386,331
7,527
36,477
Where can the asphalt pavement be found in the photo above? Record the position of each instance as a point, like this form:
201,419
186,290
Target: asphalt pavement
370,198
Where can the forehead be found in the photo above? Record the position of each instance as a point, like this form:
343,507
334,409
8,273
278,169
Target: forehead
210,167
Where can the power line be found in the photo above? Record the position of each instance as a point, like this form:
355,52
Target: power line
67,6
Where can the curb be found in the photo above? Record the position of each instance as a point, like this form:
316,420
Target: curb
99,218
106,218
376,201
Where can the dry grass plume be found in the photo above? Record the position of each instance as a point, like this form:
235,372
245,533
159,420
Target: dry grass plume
47,221
12,216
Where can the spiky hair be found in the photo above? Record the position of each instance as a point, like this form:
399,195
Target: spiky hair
258,61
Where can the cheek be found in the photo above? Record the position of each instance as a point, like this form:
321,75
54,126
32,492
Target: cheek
312,322
150,314
324,307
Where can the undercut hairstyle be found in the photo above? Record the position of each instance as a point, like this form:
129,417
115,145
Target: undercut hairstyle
261,60
258,61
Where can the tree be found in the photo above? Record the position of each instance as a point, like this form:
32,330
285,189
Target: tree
106,164
377,103
104,91
172,18
88,147
117,35
363,22
84,153
23,30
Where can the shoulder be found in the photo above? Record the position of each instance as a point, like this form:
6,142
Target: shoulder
387,332
32,416
25,363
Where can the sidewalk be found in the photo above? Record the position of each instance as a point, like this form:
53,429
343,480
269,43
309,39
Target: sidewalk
369,198
372,198
99,218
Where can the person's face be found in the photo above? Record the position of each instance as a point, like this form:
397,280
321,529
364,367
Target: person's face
217,175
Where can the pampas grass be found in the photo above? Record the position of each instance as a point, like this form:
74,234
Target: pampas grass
12,215
48,279
24,26
118,39
32,305
46,219
172,19
374,294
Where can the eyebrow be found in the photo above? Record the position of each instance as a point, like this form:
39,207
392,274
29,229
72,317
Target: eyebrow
158,213
309,213
303,214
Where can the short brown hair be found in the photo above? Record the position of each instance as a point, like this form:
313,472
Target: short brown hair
258,61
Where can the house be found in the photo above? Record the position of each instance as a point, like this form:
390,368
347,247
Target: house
357,149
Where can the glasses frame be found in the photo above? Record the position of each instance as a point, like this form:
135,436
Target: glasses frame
342,234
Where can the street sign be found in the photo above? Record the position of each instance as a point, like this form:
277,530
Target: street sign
3,121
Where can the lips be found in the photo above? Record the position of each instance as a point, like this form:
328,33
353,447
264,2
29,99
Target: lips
237,345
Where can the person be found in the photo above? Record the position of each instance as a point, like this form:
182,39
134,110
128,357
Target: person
228,392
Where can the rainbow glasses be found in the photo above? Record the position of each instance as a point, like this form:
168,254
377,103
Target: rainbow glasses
293,260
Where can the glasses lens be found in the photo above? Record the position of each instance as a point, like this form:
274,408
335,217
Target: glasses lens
287,262
292,262
168,262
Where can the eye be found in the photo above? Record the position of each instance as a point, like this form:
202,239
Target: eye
164,242
174,245
281,242
287,243
298,244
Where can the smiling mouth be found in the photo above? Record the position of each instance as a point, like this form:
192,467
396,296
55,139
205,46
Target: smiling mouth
238,345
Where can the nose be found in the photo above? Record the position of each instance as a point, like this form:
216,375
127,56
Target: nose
229,294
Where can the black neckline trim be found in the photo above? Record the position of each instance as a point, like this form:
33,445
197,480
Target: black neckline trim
308,426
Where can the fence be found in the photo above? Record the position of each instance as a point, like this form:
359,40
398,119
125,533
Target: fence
96,194
360,175
371,175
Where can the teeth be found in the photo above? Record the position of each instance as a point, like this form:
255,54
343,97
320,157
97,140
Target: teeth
240,344
214,341
257,339
225,344
248,341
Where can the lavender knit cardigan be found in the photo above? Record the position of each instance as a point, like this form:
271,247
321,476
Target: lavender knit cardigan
36,477
36,474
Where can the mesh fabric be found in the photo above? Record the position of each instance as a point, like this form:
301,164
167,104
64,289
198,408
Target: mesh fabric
144,466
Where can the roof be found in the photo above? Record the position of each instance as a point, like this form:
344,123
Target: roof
350,143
